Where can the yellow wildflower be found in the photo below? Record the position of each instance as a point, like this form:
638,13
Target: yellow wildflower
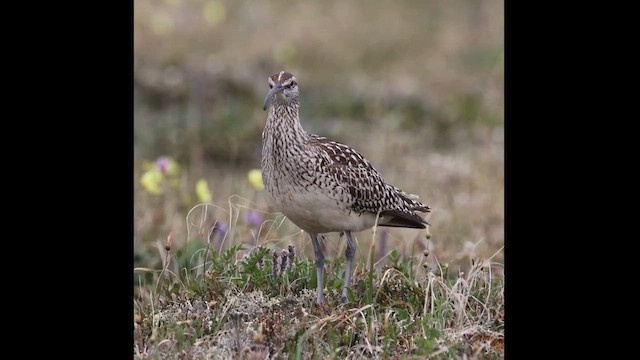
203,192
151,181
255,179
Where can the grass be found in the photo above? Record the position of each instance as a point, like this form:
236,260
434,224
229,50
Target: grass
211,300
438,317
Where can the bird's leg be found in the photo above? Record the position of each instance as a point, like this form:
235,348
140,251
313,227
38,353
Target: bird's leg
349,253
319,267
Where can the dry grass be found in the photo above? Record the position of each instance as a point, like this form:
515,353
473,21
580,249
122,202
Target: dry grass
219,299
447,318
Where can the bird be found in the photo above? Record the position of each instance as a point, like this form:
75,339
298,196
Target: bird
325,186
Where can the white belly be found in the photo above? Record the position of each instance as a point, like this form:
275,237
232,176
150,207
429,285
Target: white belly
321,214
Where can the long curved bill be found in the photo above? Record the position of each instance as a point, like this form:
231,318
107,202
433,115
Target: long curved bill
273,91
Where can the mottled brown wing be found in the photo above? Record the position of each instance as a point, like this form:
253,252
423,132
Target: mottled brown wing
368,191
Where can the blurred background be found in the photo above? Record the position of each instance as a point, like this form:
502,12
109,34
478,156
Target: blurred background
417,87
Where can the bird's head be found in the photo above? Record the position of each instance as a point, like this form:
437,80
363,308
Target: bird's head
284,89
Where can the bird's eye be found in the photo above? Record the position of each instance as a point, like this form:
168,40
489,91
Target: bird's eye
293,83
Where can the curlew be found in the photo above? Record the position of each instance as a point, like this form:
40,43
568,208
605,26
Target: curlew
322,185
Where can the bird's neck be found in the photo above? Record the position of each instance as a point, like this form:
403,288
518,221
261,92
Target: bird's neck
283,123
